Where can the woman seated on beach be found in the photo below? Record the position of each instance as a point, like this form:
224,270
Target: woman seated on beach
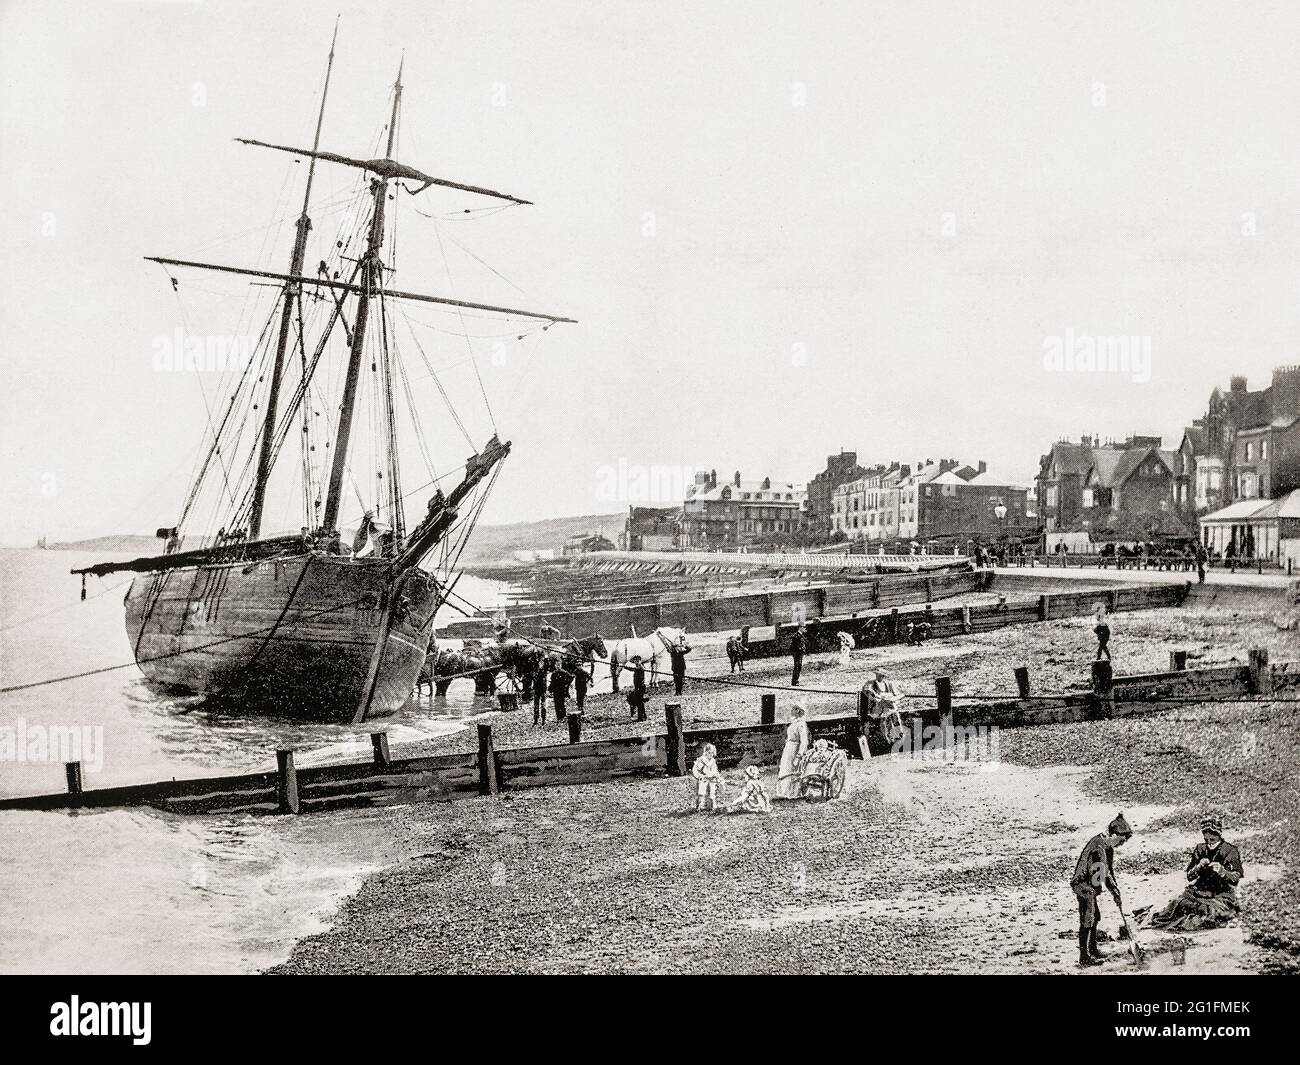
1211,896
753,796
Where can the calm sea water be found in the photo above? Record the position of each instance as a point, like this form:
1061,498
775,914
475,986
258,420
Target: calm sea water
139,891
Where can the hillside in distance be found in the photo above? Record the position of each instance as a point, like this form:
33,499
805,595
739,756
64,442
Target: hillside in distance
489,543
497,543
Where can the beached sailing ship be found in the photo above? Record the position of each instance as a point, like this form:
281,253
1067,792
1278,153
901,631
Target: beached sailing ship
299,624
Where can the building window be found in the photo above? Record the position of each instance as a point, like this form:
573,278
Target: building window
1263,449
1248,449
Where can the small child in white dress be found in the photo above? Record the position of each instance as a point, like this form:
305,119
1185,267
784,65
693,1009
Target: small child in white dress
753,796
708,781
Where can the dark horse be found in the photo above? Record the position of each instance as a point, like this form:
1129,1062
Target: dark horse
475,659
524,659
738,649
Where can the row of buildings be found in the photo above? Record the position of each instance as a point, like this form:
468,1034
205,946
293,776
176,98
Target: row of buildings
935,503
931,503
1233,482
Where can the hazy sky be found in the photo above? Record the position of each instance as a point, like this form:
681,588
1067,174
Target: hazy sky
784,228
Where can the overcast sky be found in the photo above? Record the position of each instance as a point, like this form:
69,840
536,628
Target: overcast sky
784,228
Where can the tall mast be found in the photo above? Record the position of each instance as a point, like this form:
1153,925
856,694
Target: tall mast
371,278
291,290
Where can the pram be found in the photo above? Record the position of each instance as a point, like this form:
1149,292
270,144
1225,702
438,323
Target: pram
821,776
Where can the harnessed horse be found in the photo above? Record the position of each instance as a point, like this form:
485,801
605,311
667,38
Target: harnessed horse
649,648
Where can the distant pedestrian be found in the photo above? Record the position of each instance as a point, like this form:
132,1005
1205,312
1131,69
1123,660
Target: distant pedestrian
1201,557
846,647
798,648
636,697
677,654
1102,629
560,681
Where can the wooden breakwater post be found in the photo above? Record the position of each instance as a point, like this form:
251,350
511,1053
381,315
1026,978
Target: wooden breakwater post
1022,681
73,771
1103,687
965,619
1261,677
675,745
943,696
488,784
767,708
286,783
379,741
575,727
1177,661
1044,607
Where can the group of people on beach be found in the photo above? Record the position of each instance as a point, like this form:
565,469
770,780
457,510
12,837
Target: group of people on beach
1208,901
800,757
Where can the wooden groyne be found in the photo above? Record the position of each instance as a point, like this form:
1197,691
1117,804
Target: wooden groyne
880,626
385,781
727,612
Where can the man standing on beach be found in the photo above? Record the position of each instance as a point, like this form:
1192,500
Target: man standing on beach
539,691
798,648
560,690
581,678
1094,870
636,698
677,654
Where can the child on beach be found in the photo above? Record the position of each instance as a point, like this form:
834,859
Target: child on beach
753,796
708,781
1102,631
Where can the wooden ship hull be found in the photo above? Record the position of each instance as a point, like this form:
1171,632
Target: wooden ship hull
289,625
314,637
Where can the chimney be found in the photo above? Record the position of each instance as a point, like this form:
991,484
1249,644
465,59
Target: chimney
1085,440
713,478
1237,384
983,467
1286,391
736,480
905,470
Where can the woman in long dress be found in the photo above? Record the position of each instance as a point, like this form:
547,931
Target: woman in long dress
796,743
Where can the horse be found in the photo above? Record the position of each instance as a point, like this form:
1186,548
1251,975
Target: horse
524,659
738,650
918,632
650,648
444,665
578,652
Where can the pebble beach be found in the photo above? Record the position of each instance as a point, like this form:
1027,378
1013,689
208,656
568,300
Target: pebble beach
926,863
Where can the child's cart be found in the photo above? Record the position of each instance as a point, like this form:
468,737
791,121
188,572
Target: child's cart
822,774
